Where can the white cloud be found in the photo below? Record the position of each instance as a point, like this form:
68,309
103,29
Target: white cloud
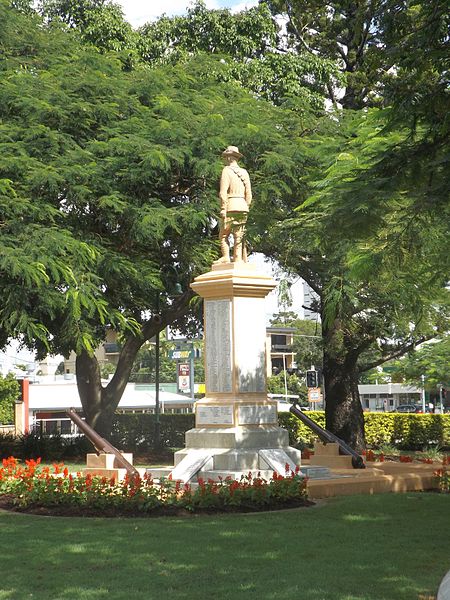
243,5
138,12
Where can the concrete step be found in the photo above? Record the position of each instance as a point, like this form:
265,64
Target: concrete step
362,483
333,462
316,472
158,472
321,449
216,474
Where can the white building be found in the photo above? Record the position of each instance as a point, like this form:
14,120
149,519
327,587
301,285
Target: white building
388,396
310,298
48,403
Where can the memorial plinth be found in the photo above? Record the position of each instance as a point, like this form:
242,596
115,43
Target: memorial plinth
236,423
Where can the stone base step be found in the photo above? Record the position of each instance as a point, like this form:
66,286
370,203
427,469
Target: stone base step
312,472
159,472
334,462
316,472
116,474
375,481
321,449
217,475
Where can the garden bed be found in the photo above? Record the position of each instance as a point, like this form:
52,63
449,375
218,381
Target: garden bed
38,489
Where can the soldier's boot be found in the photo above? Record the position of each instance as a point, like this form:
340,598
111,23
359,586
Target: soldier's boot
225,249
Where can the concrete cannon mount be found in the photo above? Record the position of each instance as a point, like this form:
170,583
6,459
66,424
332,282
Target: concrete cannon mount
376,478
330,474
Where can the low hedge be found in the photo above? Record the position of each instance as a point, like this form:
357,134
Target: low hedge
136,433
406,431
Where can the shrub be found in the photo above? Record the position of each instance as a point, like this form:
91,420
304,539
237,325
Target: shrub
407,431
50,447
9,393
136,433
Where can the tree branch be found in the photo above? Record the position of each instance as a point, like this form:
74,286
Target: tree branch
400,351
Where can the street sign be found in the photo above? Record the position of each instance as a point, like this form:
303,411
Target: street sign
314,395
183,377
181,354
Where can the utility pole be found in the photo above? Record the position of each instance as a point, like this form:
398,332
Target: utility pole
424,410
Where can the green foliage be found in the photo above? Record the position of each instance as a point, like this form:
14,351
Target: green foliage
9,393
432,452
253,55
124,162
431,360
349,34
48,447
299,433
99,23
136,432
295,386
107,369
408,431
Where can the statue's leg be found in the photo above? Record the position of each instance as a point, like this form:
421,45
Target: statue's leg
224,232
238,233
240,252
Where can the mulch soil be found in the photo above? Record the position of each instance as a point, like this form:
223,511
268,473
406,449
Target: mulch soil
7,504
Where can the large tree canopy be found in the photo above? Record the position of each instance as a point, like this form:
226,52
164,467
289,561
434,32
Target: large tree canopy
125,164
126,160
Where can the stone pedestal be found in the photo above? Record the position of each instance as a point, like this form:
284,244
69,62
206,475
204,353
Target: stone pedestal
106,465
235,424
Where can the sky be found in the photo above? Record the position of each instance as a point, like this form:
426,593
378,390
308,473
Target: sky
138,12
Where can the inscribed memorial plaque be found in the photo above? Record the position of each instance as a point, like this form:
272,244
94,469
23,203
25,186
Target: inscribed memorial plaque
214,415
250,343
277,459
218,345
254,414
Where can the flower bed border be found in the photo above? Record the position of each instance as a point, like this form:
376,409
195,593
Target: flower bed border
35,489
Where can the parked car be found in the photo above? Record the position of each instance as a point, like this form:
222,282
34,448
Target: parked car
407,408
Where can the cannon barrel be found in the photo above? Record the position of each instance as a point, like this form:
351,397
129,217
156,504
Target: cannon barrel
100,443
328,437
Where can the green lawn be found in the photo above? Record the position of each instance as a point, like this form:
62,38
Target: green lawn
384,547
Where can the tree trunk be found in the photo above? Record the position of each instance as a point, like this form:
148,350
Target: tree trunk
343,411
99,403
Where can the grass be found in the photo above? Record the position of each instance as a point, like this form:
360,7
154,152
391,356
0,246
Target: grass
385,547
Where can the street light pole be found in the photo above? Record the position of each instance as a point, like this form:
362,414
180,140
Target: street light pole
178,290
157,443
423,394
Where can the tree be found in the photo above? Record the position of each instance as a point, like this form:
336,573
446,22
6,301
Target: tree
348,33
42,265
9,393
431,361
100,23
127,164
279,384
251,49
307,344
